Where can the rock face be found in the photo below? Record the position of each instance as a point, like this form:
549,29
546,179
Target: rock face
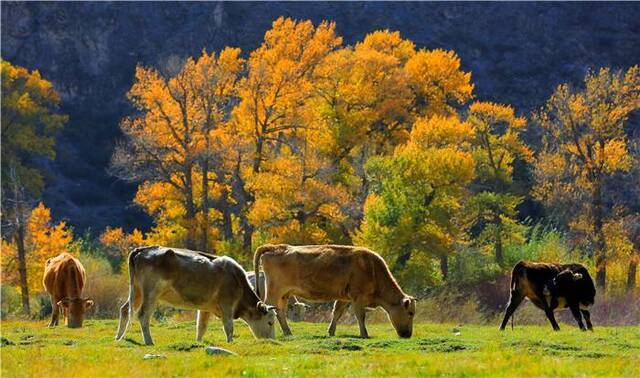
517,52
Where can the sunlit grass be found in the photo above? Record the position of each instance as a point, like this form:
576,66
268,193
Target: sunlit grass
435,349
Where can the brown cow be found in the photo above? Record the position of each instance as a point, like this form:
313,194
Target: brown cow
346,274
552,287
64,279
192,280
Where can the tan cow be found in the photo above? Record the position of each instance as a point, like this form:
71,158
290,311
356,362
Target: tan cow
192,280
346,274
64,279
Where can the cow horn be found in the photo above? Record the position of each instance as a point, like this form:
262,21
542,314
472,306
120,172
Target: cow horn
577,276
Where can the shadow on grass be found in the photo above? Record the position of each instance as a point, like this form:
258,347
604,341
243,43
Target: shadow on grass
185,347
132,341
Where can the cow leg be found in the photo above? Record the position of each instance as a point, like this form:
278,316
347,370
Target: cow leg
124,320
575,311
126,309
274,297
55,313
299,309
552,319
360,313
282,315
587,319
339,308
144,314
201,324
514,301
227,324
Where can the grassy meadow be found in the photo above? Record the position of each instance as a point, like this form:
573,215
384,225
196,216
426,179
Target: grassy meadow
31,349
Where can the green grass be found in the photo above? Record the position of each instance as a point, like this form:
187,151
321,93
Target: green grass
433,350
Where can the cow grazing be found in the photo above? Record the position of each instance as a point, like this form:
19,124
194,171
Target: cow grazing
64,279
346,274
299,309
194,281
552,287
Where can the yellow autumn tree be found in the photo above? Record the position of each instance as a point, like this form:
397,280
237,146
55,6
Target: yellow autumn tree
584,145
174,146
438,82
119,243
44,240
366,99
268,118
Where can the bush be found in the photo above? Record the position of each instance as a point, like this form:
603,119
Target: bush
543,244
447,305
107,289
11,301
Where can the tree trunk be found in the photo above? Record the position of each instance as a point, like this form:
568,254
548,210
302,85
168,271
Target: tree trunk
247,233
631,276
227,221
204,238
402,260
499,250
258,158
600,243
190,208
22,268
444,267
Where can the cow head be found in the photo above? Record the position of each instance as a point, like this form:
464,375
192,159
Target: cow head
401,316
75,309
576,283
261,321
566,279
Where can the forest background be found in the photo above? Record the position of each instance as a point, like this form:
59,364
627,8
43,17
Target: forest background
308,139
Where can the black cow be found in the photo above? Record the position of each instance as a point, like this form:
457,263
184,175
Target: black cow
552,287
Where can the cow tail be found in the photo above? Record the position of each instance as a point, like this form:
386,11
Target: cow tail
512,316
132,264
514,283
256,263
514,275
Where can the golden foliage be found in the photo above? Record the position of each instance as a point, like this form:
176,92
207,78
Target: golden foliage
116,240
43,240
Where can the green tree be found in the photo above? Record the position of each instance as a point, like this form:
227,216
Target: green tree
497,145
416,201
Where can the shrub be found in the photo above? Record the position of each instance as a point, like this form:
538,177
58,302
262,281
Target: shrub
108,290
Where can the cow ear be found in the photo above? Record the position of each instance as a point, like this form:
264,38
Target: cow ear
406,303
262,308
88,303
577,276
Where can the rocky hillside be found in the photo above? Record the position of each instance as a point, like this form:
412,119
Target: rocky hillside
518,52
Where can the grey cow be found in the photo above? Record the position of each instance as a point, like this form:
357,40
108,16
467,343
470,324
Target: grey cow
194,281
